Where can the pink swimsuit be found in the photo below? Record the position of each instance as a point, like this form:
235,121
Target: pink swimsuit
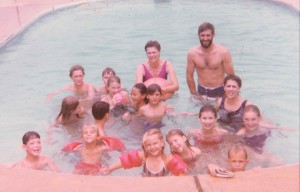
163,73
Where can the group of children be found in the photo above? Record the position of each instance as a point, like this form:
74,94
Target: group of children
112,100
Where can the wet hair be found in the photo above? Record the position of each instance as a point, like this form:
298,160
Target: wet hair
143,90
237,148
206,26
152,44
151,132
179,133
151,89
76,68
113,79
252,108
68,106
100,109
209,108
235,78
108,70
30,135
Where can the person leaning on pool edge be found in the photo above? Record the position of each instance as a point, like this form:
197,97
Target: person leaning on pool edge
211,61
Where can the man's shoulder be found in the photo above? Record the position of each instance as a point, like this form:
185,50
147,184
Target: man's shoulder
220,48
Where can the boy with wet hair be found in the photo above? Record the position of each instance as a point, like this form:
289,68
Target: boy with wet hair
33,160
100,111
106,73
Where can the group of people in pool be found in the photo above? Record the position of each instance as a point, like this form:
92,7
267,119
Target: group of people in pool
156,82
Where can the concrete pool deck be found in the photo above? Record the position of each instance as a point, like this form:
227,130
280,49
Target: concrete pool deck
17,15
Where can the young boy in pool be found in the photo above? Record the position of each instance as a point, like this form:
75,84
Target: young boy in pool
106,73
100,111
237,161
155,109
33,160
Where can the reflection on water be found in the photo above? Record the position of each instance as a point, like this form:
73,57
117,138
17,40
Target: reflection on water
263,47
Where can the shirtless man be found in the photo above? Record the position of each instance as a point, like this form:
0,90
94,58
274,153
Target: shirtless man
211,61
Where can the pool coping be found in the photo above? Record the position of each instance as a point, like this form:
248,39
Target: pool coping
274,179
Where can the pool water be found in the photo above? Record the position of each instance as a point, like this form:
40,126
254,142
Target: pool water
262,37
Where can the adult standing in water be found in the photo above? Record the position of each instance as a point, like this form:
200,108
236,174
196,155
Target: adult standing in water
156,70
211,61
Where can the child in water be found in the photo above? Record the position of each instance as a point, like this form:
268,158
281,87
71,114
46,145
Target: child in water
33,160
117,99
71,111
90,151
180,145
237,161
138,98
155,110
209,133
153,158
100,111
255,130
106,73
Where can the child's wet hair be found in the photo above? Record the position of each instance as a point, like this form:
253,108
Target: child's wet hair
179,133
113,79
108,70
151,89
208,108
30,135
143,90
68,106
90,126
76,68
252,108
100,109
237,148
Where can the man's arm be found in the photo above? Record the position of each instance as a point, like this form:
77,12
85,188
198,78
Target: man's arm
227,63
190,68
139,74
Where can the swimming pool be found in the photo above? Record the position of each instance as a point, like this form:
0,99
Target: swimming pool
113,33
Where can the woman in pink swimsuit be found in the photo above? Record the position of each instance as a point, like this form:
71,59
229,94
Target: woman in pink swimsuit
157,71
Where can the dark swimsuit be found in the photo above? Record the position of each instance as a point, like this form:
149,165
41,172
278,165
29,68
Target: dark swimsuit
162,74
215,92
233,119
256,142
148,173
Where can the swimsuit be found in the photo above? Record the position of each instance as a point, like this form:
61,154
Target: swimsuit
233,119
200,139
211,92
88,169
149,173
162,74
256,142
150,125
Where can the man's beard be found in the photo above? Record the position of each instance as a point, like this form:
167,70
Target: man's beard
206,45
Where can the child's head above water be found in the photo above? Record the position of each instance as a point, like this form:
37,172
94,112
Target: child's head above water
177,140
30,135
139,92
90,133
100,109
237,157
76,68
251,117
68,106
106,73
153,142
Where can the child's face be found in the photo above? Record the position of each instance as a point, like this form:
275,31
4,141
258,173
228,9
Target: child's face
154,98
251,120
154,145
237,161
105,77
208,120
114,88
177,143
89,134
33,147
136,95
231,89
77,77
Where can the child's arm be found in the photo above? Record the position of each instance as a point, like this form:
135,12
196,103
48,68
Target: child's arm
50,95
214,169
176,165
241,132
271,126
51,165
